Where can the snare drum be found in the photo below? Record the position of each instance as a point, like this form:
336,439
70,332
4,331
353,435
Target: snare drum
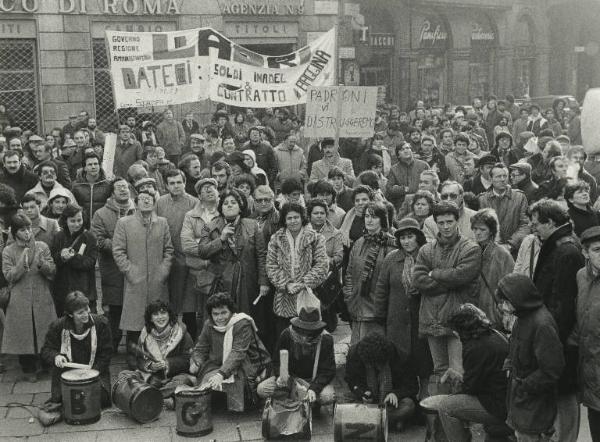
81,396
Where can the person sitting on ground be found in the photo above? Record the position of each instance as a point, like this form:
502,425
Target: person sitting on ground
78,337
163,351
482,396
311,360
377,373
229,356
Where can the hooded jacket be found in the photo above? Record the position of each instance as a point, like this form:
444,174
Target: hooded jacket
536,359
527,186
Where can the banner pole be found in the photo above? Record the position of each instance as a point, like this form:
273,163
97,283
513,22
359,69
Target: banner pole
338,70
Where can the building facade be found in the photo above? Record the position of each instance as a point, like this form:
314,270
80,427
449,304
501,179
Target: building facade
53,59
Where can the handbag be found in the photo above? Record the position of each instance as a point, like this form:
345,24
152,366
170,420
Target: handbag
330,289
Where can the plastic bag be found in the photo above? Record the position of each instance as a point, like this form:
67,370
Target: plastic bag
307,300
532,146
286,418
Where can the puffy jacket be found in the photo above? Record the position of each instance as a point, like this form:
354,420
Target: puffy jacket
536,359
291,163
455,266
91,196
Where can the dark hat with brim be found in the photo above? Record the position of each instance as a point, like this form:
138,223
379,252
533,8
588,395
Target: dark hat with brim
591,234
409,224
308,319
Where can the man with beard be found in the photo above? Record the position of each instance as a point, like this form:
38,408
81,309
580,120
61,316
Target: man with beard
173,206
103,226
432,156
96,135
47,172
221,171
311,361
15,175
331,158
192,168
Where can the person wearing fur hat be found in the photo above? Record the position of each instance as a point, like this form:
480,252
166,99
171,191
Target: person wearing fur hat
364,265
311,364
377,373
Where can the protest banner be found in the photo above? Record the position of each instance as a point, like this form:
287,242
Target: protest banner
355,106
164,68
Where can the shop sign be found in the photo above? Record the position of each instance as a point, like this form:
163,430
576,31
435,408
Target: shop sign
258,30
17,29
115,7
482,35
99,27
384,41
347,52
261,7
432,35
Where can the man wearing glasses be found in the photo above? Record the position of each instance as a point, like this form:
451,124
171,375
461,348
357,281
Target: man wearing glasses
451,192
47,172
510,205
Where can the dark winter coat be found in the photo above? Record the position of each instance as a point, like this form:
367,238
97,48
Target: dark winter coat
302,367
555,273
484,377
91,196
587,337
103,226
80,350
536,359
20,182
77,273
475,185
178,359
583,219
529,188
242,267
403,175
404,379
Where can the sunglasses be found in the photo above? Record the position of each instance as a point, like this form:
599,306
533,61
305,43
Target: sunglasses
263,200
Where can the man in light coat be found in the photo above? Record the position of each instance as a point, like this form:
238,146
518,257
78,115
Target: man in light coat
143,252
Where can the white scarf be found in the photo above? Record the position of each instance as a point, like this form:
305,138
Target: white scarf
158,352
65,342
294,249
228,339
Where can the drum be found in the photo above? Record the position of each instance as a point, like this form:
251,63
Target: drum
194,412
139,400
81,396
360,422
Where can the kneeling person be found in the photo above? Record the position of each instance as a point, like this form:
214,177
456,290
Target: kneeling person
82,338
311,359
377,374
229,356
163,351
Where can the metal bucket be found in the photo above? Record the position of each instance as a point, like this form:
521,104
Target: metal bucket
140,401
360,422
81,396
194,412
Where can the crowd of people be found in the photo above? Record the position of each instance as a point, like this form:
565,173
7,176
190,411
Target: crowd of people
462,244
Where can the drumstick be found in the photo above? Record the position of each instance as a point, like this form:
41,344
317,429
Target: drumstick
284,372
75,365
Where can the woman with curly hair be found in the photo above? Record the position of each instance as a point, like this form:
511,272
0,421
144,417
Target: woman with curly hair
377,373
364,264
421,206
236,250
482,397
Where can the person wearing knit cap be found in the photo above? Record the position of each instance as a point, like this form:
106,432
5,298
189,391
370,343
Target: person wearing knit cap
520,178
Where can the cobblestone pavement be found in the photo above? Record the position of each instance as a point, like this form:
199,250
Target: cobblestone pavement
17,424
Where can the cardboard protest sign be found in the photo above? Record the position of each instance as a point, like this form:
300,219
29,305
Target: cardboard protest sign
356,115
164,68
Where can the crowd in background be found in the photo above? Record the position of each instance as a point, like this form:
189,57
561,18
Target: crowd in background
445,233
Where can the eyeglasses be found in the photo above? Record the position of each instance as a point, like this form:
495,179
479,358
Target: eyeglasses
263,200
449,196
48,172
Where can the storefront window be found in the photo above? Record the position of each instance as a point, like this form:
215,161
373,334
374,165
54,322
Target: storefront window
432,37
482,60
377,73
432,78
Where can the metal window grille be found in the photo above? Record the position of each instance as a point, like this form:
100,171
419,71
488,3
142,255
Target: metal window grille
18,82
